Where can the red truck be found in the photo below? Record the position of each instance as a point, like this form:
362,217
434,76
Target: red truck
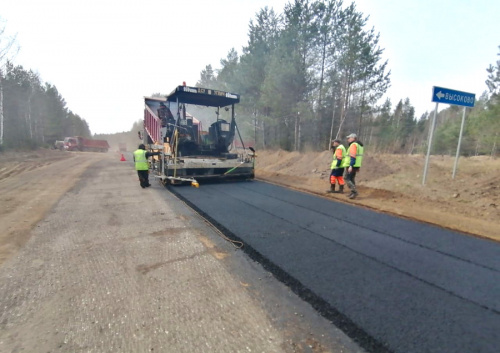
83,144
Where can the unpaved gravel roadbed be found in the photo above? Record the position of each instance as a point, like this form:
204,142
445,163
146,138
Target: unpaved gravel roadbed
112,267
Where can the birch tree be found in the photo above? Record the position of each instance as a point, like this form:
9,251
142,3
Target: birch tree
8,48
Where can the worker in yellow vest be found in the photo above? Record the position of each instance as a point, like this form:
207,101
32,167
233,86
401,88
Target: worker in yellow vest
340,161
141,164
356,158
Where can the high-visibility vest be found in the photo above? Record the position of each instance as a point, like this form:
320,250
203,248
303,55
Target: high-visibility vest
345,158
359,154
141,162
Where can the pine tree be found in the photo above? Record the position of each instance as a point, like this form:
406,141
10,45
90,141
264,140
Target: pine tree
208,78
493,81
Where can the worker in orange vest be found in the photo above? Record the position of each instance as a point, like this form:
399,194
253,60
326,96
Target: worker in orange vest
340,161
355,153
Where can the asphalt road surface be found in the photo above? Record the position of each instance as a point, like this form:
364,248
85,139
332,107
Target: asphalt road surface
391,284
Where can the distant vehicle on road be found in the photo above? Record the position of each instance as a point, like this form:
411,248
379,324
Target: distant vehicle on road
122,147
59,145
83,144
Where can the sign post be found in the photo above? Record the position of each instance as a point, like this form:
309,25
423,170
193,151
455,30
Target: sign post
459,144
453,97
431,133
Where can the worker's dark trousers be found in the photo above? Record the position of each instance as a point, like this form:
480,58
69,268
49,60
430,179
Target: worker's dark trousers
350,179
143,177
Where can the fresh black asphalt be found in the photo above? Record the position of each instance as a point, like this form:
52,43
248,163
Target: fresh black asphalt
391,284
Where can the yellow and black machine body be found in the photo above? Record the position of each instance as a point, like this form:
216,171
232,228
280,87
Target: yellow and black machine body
175,125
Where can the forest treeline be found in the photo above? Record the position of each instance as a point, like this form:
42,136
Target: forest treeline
315,72
33,113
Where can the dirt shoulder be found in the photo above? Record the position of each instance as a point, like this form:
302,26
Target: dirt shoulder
31,183
393,184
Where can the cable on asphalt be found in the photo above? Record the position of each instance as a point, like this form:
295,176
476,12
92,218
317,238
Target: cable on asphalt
236,243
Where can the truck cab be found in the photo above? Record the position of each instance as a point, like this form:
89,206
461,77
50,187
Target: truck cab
70,144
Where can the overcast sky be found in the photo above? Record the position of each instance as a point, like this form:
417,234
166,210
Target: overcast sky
104,56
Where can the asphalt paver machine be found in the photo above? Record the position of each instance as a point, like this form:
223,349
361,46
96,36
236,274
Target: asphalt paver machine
174,125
